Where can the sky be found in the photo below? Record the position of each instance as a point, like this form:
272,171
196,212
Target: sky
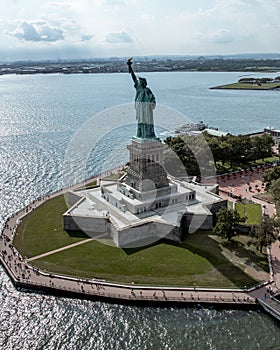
59,29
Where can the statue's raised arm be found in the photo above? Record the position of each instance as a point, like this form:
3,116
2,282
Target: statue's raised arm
130,70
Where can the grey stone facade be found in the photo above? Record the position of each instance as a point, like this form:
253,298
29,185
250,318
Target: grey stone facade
145,205
145,170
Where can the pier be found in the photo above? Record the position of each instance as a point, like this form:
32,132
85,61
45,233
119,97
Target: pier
272,306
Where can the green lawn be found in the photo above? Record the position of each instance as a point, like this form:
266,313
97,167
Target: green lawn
91,184
42,229
267,160
252,212
201,260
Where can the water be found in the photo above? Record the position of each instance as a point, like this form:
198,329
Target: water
41,118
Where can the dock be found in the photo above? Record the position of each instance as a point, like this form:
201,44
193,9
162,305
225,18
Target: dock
272,306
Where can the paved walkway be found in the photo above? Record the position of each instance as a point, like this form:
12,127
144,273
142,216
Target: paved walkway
245,184
275,263
60,249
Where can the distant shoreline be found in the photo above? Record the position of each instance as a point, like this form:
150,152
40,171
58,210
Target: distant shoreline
142,65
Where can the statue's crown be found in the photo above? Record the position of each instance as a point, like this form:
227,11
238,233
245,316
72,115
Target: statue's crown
143,79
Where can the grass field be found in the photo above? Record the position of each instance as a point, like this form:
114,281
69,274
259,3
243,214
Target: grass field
252,212
42,230
201,260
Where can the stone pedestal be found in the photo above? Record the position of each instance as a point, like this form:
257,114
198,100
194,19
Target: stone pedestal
145,170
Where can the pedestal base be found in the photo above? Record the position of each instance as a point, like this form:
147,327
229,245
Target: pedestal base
145,170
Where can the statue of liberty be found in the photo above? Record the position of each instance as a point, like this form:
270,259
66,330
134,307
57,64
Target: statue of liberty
145,103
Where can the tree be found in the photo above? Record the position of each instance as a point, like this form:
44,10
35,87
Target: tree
227,221
220,148
262,147
238,150
241,148
270,176
214,144
184,147
275,191
177,145
265,234
224,151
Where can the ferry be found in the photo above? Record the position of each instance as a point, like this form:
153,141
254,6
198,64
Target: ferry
186,128
194,129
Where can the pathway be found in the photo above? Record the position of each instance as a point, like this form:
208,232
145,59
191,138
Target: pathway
60,249
246,185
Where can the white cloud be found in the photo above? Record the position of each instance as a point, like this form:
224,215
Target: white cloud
113,2
86,37
221,36
37,31
48,31
119,37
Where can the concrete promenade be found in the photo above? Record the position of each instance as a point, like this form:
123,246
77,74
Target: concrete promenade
245,184
24,274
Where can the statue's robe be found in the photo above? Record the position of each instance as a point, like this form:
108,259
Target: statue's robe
145,103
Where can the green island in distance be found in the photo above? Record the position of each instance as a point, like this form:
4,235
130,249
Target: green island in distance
252,84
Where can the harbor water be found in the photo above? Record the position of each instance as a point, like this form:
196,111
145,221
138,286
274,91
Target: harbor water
41,118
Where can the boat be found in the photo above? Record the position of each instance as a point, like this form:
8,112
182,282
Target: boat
186,128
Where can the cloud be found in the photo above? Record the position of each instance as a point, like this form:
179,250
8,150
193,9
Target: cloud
118,37
222,36
37,31
114,2
47,30
86,37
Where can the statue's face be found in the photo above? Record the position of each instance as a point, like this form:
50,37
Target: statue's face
143,82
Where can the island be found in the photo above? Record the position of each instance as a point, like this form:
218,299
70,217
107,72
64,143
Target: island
252,84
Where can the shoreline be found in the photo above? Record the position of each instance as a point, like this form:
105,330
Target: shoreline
24,275
242,89
95,66
52,283
248,87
